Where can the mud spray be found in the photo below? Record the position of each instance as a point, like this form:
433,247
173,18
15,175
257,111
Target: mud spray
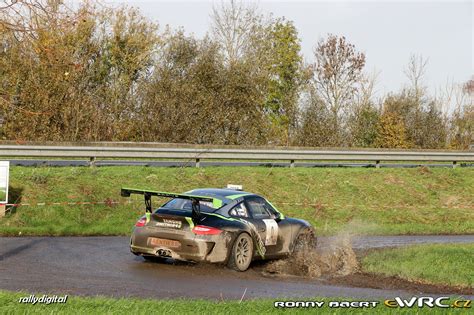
332,257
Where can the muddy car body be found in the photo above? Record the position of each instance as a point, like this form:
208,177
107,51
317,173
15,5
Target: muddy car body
217,226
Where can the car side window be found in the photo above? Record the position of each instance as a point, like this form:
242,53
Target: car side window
259,209
239,210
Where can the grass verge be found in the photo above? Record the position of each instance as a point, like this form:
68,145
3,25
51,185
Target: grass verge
369,201
9,304
446,264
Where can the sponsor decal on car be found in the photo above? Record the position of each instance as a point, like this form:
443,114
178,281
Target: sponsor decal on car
169,224
154,241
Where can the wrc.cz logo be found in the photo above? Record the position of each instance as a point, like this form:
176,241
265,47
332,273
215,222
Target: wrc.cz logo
427,301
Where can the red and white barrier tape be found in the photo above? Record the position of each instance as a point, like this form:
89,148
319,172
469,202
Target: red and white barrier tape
129,201
66,203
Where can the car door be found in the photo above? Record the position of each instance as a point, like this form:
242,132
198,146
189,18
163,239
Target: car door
262,215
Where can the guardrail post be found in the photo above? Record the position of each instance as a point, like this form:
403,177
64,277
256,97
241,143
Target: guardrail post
455,164
92,161
377,164
2,210
198,162
292,163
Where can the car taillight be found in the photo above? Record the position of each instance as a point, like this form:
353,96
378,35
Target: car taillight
205,230
141,222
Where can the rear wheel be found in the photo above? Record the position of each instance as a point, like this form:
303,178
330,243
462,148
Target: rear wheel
242,252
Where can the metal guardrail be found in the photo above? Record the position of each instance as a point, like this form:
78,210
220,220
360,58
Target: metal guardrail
129,151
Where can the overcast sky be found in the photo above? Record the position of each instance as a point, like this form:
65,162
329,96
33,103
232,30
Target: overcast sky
387,31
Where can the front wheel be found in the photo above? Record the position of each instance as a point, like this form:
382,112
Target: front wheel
242,252
305,241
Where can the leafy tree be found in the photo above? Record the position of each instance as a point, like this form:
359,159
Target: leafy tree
316,122
364,114
286,76
461,123
88,72
434,128
75,75
425,125
391,132
462,128
364,125
193,97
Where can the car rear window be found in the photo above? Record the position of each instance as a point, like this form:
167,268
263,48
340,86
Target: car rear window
186,204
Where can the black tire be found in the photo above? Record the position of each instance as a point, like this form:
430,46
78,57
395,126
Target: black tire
242,253
306,240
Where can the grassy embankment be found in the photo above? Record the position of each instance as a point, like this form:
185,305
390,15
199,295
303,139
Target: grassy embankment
373,201
451,264
99,305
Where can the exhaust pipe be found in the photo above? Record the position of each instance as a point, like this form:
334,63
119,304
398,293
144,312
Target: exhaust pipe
163,253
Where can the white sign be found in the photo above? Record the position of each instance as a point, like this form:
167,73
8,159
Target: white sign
271,236
4,172
235,187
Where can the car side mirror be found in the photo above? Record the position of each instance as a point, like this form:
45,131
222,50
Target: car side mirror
278,217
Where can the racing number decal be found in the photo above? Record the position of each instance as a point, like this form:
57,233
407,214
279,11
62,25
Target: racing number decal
271,234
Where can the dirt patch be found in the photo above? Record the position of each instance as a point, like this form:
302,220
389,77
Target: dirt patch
391,179
424,170
367,280
450,201
334,258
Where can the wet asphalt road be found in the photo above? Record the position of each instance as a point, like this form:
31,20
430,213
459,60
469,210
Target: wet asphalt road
104,266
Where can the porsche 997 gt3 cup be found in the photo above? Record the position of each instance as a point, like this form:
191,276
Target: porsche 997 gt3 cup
216,225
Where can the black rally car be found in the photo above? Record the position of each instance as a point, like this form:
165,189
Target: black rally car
218,226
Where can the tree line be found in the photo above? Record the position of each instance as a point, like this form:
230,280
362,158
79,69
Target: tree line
88,72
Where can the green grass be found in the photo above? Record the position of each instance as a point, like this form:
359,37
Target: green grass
371,201
99,305
451,264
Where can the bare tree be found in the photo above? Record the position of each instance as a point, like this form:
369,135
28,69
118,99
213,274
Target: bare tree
367,88
415,72
338,71
23,17
234,26
461,122
468,89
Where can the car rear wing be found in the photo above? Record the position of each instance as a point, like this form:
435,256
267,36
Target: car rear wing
127,192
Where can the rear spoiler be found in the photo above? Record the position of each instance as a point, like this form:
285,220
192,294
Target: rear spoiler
126,192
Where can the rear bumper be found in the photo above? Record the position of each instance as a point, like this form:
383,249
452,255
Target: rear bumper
197,248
